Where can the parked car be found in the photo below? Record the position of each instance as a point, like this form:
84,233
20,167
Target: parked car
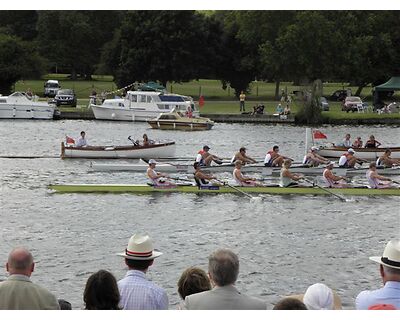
51,88
323,103
338,95
352,103
66,97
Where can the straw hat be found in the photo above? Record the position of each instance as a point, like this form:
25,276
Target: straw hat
390,256
140,247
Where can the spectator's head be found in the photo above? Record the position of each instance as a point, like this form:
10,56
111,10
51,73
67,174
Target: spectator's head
101,292
223,267
64,305
319,297
20,261
290,304
390,261
193,280
140,253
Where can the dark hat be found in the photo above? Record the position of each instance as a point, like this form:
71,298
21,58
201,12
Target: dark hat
206,147
242,149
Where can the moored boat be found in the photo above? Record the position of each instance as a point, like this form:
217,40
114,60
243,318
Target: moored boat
19,105
144,189
142,106
156,150
176,121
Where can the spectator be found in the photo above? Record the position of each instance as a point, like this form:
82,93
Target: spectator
242,98
390,274
64,305
290,304
223,269
138,293
193,280
357,143
82,142
101,292
279,109
18,292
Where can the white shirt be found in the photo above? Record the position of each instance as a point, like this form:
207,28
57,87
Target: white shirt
342,160
81,142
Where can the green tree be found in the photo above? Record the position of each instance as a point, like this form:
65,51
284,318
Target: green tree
18,60
20,23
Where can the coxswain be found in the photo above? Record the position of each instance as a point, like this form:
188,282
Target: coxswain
155,177
313,159
331,180
241,155
204,158
348,160
82,142
200,177
372,143
240,179
273,158
386,160
288,179
376,181
357,143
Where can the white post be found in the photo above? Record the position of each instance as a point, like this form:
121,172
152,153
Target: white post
308,135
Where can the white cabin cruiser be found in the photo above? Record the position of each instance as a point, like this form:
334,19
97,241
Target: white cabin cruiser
143,106
19,105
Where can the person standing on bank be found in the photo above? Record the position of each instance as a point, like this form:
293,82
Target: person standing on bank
242,98
137,292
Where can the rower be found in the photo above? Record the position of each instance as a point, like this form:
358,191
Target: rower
200,177
204,158
386,160
273,158
82,142
348,160
241,155
313,159
155,177
288,179
242,180
372,143
376,181
331,180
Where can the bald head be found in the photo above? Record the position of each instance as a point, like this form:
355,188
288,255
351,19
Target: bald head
20,261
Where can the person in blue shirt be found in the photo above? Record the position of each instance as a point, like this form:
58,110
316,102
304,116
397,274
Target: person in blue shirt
390,274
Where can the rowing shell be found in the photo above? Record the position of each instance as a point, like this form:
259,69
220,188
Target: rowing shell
142,188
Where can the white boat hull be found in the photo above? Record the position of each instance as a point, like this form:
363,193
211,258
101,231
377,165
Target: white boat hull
165,150
36,110
363,153
118,114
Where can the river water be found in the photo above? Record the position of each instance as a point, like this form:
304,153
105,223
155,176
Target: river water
285,243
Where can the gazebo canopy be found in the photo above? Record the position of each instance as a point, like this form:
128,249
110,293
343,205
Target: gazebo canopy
392,84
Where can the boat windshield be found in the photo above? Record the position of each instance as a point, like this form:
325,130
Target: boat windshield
171,98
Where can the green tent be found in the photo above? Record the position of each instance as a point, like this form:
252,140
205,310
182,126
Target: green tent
151,86
392,85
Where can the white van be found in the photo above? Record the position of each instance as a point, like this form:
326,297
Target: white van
51,88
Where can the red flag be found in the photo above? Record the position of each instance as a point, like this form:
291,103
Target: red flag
69,140
319,135
201,101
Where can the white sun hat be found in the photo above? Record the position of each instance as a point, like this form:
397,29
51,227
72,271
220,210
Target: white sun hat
140,247
152,161
319,297
390,256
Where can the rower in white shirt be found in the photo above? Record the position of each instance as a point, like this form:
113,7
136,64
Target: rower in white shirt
375,180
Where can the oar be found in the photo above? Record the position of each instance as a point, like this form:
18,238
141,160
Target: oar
238,190
325,189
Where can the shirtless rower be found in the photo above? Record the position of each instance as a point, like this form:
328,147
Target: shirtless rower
348,159
241,155
204,158
357,143
200,177
288,179
372,143
376,181
273,158
242,180
386,160
331,180
155,177
313,159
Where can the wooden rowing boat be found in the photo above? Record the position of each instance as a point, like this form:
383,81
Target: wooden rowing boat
156,150
363,153
142,188
175,121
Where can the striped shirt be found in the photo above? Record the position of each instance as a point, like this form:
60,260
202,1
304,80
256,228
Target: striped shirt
138,293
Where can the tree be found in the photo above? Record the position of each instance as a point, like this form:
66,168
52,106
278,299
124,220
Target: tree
18,60
159,45
19,23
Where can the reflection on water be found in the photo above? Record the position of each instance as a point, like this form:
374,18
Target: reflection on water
285,243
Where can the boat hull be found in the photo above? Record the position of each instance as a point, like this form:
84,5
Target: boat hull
176,125
122,114
39,112
126,188
162,150
363,153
